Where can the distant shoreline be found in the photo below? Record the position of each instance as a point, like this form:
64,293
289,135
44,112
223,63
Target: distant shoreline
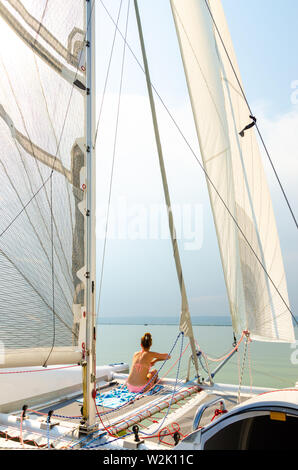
164,321
159,324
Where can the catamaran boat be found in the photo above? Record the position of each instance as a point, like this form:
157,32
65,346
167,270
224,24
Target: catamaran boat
53,395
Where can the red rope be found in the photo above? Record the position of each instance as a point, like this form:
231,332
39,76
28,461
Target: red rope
37,370
98,414
218,412
169,433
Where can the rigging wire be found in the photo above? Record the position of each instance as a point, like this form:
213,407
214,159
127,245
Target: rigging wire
115,141
51,195
251,113
258,370
142,394
59,141
185,141
63,168
206,174
35,194
107,74
33,154
49,179
175,386
53,276
51,236
51,190
107,428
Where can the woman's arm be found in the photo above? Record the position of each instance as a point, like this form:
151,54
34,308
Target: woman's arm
159,357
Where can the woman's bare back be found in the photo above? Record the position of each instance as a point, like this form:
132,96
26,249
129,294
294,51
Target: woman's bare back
141,364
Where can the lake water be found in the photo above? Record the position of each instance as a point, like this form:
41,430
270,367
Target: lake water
267,364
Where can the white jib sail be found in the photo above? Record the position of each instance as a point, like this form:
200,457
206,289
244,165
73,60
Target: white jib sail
42,127
250,248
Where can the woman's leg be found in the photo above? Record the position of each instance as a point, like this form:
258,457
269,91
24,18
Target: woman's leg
152,376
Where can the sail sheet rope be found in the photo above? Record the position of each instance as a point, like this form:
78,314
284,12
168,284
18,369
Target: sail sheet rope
142,393
111,429
160,432
170,396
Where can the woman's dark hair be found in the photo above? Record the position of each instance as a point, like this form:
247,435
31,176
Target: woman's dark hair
146,341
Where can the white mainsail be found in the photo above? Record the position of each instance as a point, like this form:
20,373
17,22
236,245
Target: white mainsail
250,249
42,127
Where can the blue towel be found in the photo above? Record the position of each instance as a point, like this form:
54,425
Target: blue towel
120,396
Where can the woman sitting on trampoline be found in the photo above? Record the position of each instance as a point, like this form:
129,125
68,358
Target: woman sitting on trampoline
140,374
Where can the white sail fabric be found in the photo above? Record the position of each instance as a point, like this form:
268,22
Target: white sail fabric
258,303
42,119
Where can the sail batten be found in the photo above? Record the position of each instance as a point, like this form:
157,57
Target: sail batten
72,76
45,34
239,196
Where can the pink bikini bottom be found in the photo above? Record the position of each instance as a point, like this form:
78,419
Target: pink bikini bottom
135,388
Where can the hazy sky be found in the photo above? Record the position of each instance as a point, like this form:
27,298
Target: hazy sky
139,275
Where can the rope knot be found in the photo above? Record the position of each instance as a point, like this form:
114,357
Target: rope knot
218,412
